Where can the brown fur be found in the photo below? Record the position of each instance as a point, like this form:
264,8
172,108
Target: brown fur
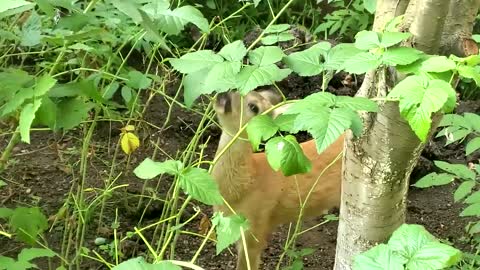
265,197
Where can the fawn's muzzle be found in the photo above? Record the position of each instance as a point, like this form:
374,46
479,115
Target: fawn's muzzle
224,101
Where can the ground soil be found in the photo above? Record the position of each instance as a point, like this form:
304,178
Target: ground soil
44,172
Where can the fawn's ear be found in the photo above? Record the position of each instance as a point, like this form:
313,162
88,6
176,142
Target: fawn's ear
271,95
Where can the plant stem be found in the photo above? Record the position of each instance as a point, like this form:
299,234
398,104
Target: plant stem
8,150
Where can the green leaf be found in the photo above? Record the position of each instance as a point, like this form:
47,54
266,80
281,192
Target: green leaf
437,64
251,77
196,61
31,31
366,40
5,212
228,229
471,210
307,62
17,100
286,154
472,146
277,28
473,119
434,255
454,120
172,22
138,80
362,62
221,77
11,4
419,98
392,38
130,8
379,257
199,184
234,51
26,118
408,239
474,198
265,55
285,121
400,56
469,72
370,5
356,103
28,254
338,55
28,223
194,85
139,263
150,169
72,112
459,170
12,7
260,127
463,190
434,179
324,123
275,38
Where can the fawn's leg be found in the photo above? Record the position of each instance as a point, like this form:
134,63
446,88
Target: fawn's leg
255,247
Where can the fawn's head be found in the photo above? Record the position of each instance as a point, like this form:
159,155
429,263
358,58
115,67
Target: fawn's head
228,107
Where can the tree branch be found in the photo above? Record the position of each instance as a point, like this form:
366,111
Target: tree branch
428,22
457,34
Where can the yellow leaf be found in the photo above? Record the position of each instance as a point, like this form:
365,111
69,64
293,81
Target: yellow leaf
129,142
129,128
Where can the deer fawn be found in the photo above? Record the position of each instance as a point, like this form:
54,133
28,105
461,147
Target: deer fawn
265,197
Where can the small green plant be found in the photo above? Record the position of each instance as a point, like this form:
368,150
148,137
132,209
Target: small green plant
347,19
297,258
410,247
24,259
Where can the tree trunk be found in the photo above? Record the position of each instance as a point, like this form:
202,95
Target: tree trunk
377,166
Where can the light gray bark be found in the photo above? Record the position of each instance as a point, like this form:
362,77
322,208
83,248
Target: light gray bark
377,166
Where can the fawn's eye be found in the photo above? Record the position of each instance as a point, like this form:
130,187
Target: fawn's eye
254,108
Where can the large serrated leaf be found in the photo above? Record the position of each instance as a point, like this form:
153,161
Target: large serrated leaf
221,77
285,153
228,229
173,21
265,55
201,186
379,258
234,51
392,38
419,98
366,40
437,64
196,61
434,255
251,77
261,127
356,103
307,62
434,179
336,56
362,63
28,223
149,169
400,56
459,170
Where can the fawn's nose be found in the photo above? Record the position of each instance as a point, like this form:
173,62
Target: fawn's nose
224,101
